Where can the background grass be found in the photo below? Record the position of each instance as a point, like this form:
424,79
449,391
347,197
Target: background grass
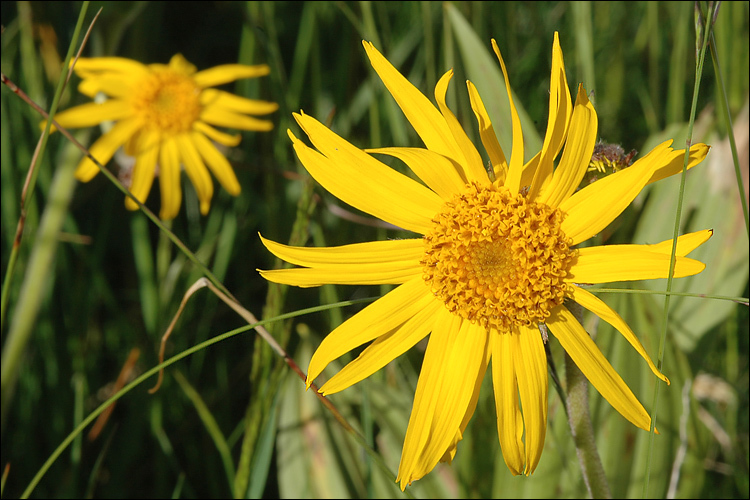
231,419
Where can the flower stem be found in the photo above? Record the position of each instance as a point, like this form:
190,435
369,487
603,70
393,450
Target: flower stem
580,423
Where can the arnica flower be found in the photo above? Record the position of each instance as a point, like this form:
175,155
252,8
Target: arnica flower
165,117
496,258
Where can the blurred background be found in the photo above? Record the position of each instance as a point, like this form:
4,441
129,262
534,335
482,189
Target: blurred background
234,420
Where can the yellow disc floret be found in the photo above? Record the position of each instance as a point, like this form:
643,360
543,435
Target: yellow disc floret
498,259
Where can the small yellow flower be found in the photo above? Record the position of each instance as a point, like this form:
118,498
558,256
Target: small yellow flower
164,118
496,259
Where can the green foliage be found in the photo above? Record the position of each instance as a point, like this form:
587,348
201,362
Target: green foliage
232,419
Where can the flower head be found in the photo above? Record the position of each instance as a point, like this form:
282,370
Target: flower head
496,259
165,117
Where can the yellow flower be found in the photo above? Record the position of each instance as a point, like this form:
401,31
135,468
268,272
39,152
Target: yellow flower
496,259
164,117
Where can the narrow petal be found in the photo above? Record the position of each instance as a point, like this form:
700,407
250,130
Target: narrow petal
144,169
363,182
697,153
217,163
86,66
596,306
377,319
105,147
451,366
595,367
509,418
115,85
226,73
169,179
421,113
604,264
472,163
439,173
557,122
371,252
685,243
513,182
235,103
531,372
594,207
487,134
224,118
578,150
216,135
92,113
385,349
393,273
196,171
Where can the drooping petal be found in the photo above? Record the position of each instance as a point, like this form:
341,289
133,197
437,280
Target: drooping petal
596,306
421,113
196,171
557,123
216,135
385,349
377,319
697,153
144,169
363,182
513,181
169,179
487,134
577,154
472,163
451,365
595,366
235,103
604,264
531,372
439,173
225,118
685,243
594,207
105,147
92,113
217,163
226,73
509,418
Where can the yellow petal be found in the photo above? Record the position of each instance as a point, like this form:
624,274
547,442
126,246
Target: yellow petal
169,179
604,264
217,163
487,134
557,122
224,118
697,153
594,207
685,243
505,384
144,169
439,173
92,113
215,135
235,103
226,73
421,113
363,182
531,372
346,274
86,66
577,155
115,85
377,319
452,363
105,147
596,306
472,163
196,171
513,182
385,349
595,366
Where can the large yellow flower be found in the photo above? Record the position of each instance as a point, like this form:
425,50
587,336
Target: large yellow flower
496,259
164,117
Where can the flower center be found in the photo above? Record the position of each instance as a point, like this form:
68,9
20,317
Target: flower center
498,259
167,101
